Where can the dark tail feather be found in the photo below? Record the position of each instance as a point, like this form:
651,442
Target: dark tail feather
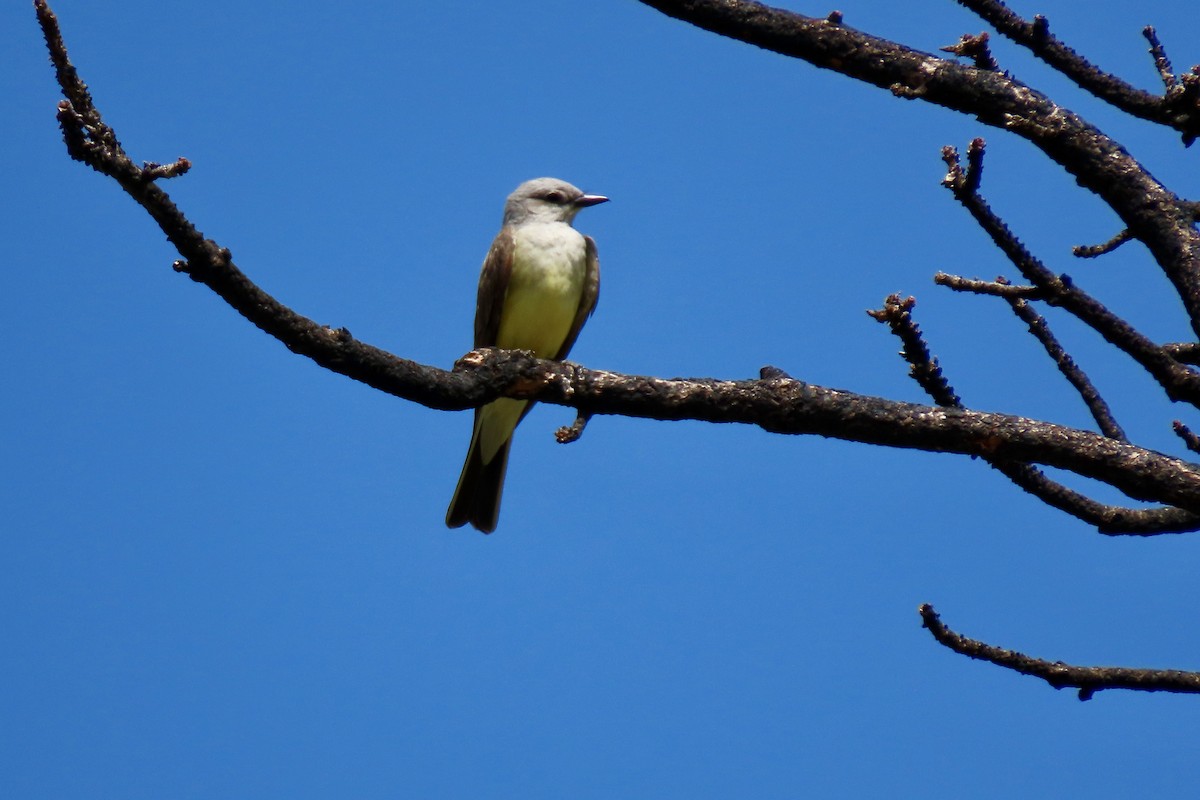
477,497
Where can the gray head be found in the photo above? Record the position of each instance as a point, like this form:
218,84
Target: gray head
546,200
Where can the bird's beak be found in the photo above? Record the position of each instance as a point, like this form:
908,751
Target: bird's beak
591,200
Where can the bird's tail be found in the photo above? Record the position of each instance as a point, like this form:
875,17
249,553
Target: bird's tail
477,496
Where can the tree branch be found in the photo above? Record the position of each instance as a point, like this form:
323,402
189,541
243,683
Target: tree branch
1152,213
923,367
1088,680
776,404
1109,520
1189,437
1184,352
975,48
1095,250
997,288
1037,38
775,401
1177,380
1071,371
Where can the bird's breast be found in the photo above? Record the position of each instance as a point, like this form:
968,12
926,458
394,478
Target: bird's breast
545,288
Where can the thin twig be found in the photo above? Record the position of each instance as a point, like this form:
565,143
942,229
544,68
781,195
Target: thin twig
1190,439
996,288
923,366
1088,680
1159,54
1094,250
1071,371
571,433
976,48
179,166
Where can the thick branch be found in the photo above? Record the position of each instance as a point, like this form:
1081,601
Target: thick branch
1154,215
1088,680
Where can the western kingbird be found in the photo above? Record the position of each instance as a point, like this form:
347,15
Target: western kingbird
539,284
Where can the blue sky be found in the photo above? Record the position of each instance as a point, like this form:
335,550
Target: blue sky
225,573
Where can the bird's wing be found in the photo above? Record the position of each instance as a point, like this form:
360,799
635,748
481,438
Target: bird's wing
587,302
493,285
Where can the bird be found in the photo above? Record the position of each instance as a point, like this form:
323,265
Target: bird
539,284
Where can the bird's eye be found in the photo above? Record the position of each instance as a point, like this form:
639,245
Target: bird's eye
555,197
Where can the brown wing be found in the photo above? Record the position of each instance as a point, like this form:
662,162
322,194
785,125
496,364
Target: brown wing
493,285
587,303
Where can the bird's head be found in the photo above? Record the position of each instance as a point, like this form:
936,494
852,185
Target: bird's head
547,200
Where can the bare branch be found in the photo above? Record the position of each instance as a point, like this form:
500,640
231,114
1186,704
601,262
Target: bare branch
1183,352
997,288
178,167
1181,97
1088,680
75,90
968,181
1109,520
1190,439
776,404
1159,54
923,367
1070,370
1094,250
1179,382
976,48
1037,38
571,433
1153,213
